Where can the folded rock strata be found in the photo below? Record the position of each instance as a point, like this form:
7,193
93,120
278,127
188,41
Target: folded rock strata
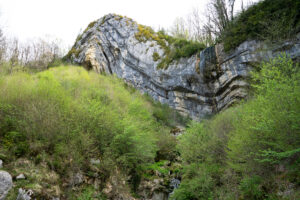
198,86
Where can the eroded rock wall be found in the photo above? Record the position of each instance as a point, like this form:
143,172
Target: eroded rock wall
198,86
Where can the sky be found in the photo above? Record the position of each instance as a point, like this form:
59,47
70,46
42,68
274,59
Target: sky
63,19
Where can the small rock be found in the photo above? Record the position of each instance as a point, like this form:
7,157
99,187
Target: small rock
20,177
157,181
24,195
157,173
95,161
1,164
158,195
5,184
77,179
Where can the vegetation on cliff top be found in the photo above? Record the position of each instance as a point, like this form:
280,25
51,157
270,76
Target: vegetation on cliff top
271,20
225,22
174,48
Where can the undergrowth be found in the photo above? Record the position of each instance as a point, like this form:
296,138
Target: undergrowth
65,116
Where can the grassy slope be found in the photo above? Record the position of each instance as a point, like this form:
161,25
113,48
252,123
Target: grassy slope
57,120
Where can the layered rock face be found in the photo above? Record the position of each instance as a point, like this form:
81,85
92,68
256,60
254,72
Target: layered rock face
201,85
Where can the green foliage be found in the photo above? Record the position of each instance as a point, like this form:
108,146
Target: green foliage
73,51
174,48
274,157
270,122
166,147
197,183
184,48
89,193
271,20
15,142
167,116
66,116
243,148
251,188
149,170
155,56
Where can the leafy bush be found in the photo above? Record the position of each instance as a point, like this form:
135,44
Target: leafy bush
249,151
197,183
269,122
267,20
149,170
88,193
70,116
251,188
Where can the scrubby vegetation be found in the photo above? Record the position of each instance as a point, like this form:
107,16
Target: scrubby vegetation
174,48
271,20
250,151
58,122
63,117
225,22
53,123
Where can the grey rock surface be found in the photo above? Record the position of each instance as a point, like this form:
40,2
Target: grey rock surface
76,179
5,184
201,85
24,195
1,164
20,177
94,161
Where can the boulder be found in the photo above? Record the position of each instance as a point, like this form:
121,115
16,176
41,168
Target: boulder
5,184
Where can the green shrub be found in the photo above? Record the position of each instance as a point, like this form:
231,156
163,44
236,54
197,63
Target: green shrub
268,125
72,115
243,148
166,147
149,170
250,188
197,184
271,20
16,143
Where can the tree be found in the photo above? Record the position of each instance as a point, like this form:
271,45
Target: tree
2,46
179,28
220,13
196,28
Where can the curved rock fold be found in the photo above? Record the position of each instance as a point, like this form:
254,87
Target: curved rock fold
198,86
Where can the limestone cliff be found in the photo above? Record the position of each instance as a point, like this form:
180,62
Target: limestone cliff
200,85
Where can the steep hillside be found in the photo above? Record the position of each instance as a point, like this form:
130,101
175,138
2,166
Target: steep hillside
72,134
118,125
198,83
